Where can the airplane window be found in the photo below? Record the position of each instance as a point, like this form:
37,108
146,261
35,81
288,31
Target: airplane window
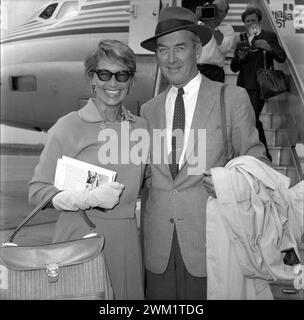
67,8
48,11
34,15
23,83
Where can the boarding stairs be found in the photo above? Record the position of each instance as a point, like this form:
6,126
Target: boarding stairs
283,154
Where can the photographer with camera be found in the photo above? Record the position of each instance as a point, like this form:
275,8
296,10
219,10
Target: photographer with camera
248,57
211,61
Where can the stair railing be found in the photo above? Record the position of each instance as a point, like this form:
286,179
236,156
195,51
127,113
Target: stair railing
295,76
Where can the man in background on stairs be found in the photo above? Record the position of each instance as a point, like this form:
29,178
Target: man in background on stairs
249,57
212,60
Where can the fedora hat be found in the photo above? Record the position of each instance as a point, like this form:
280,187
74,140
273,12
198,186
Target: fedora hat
172,19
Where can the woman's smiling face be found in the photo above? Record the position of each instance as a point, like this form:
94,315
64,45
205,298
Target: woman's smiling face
111,93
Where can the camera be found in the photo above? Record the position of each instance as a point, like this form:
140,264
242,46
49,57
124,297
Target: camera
208,11
254,30
245,45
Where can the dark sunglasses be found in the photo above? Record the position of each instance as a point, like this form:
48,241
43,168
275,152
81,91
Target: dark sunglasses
106,75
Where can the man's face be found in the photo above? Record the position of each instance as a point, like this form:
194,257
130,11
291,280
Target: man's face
249,20
177,56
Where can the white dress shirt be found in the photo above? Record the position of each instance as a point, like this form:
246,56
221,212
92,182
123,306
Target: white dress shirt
190,96
212,53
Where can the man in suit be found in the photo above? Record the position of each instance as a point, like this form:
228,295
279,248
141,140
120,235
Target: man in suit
248,61
174,217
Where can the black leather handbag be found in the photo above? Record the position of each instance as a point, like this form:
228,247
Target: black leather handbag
271,82
65,270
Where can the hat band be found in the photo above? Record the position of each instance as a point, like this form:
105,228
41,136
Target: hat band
171,24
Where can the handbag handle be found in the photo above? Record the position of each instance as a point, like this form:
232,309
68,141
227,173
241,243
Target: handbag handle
259,59
264,59
42,206
224,122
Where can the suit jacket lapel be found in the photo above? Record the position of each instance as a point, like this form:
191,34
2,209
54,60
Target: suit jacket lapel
162,111
161,124
204,105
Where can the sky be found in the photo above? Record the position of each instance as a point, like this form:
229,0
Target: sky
14,13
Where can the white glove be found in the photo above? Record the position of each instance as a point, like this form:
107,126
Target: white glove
70,200
105,196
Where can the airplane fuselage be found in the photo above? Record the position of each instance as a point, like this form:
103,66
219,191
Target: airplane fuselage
56,68
42,75
42,61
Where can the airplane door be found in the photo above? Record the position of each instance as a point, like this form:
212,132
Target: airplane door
143,20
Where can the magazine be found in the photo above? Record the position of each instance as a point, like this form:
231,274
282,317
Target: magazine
72,174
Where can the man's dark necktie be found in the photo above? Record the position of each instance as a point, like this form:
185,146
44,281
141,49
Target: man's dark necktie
178,135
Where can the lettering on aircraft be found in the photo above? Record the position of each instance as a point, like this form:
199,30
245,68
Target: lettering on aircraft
290,12
286,14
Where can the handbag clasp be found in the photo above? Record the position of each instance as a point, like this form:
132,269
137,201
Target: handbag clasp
52,271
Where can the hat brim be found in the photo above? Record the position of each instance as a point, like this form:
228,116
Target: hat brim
201,31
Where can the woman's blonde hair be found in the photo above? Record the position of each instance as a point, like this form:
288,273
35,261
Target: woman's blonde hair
114,51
